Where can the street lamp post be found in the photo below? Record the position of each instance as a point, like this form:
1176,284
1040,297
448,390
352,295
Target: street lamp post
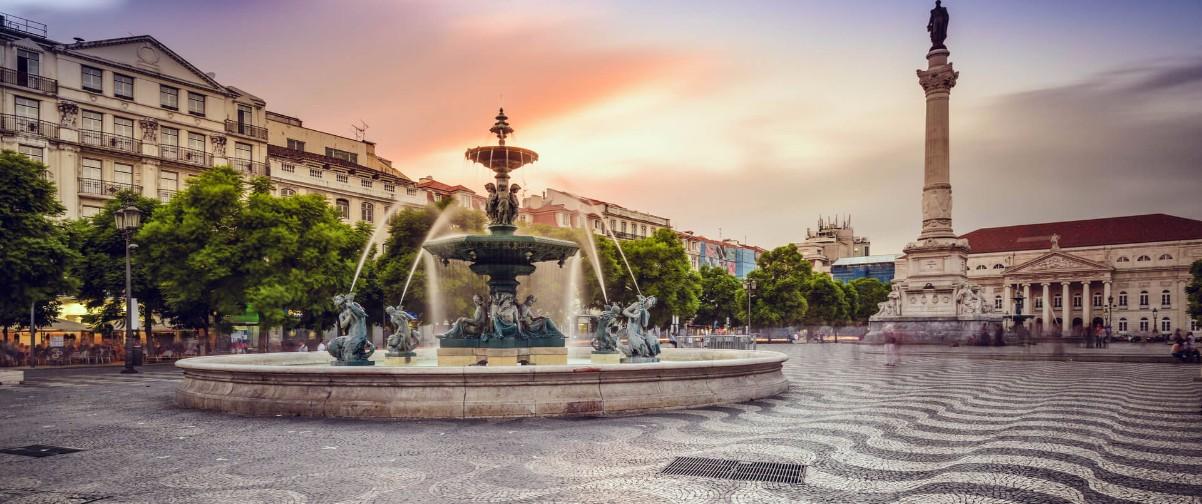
1155,327
128,219
750,290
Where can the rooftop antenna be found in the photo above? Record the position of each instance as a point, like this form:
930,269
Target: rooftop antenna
360,131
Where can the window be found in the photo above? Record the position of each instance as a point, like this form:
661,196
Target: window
32,152
315,172
1166,325
123,86
344,208
287,191
1123,298
91,176
1143,324
28,63
92,79
288,167
1097,299
981,266
1166,257
168,184
1057,302
123,127
1166,298
644,229
997,303
296,144
1143,258
1123,259
341,177
168,97
1076,300
999,266
123,174
367,210
623,226
1143,298
245,114
91,121
389,186
28,109
242,151
343,155
1122,324
1193,325
196,104
196,142
365,182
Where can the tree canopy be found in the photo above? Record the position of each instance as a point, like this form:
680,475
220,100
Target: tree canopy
720,293
871,293
662,268
1194,291
781,283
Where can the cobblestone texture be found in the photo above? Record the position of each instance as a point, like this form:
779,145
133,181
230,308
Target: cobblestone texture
932,430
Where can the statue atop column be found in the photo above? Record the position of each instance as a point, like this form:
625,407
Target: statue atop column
937,25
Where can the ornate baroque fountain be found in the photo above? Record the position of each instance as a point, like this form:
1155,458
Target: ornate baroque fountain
503,329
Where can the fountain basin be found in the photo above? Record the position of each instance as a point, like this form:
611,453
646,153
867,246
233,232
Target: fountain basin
304,384
501,249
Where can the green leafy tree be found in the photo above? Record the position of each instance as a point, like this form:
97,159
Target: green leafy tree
827,302
35,252
852,296
871,293
1194,291
782,281
100,269
719,297
662,268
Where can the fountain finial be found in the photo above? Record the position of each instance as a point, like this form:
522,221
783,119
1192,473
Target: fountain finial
501,127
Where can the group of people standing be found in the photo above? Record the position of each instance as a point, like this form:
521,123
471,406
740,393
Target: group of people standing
1183,348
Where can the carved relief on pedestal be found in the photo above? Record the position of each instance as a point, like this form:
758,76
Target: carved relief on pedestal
941,78
150,129
218,145
68,114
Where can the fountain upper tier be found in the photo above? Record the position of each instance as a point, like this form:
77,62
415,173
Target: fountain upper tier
501,158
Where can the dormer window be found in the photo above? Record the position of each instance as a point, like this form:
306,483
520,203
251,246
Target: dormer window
1123,259
1166,257
1143,258
999,266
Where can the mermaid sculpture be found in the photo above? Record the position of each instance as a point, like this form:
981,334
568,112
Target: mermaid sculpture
468,327
506,321
535,326
609,327
402,341
352,348
642,344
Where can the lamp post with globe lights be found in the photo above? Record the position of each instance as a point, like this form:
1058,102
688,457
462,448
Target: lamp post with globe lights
128,220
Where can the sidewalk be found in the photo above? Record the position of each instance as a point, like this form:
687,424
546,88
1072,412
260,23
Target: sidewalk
1117,352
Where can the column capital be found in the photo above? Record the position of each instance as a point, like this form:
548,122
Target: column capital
941,78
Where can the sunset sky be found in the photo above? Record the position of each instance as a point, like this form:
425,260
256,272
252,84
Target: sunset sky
749,117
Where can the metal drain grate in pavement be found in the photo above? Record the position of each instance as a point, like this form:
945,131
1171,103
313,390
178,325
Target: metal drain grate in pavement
27,495
774,472
39,451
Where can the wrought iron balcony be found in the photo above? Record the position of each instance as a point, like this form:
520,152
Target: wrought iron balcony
253,168
15,123
110,141
244,129
185,155
621,235
28,80
105,187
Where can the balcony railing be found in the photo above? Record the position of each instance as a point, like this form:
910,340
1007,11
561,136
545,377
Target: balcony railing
166,194
28,80
105,187
242,128
185,155
110,141
253,168
626,236
27,26
15,123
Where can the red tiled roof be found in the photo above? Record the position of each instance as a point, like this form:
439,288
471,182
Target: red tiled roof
1085,233
441,187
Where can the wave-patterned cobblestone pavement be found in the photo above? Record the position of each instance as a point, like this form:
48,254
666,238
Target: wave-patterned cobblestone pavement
933,430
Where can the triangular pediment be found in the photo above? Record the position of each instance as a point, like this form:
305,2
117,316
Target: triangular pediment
146,54
1057,261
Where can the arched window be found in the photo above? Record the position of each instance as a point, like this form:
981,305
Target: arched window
344,208
999,266
1166,298
1123,324
1123,259
1143,298
1143,258
980,266
1143,324
1166,257
1166,325
287,191
1122,298
368,211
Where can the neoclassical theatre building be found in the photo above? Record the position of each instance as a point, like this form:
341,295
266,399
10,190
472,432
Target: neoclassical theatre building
1126,272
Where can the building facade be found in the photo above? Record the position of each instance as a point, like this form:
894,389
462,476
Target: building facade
832,241
598,216
1128,273
361,185
735,257
120,114
433,192
880,267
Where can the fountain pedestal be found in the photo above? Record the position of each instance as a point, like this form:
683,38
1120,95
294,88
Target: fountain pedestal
606,357
400,358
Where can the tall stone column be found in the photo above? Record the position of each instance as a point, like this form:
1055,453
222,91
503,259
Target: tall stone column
1086,306
1029,303
937,80
1006,299
1048,322
1066,308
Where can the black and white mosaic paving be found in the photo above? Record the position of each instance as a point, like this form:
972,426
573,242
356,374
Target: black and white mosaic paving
932,430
